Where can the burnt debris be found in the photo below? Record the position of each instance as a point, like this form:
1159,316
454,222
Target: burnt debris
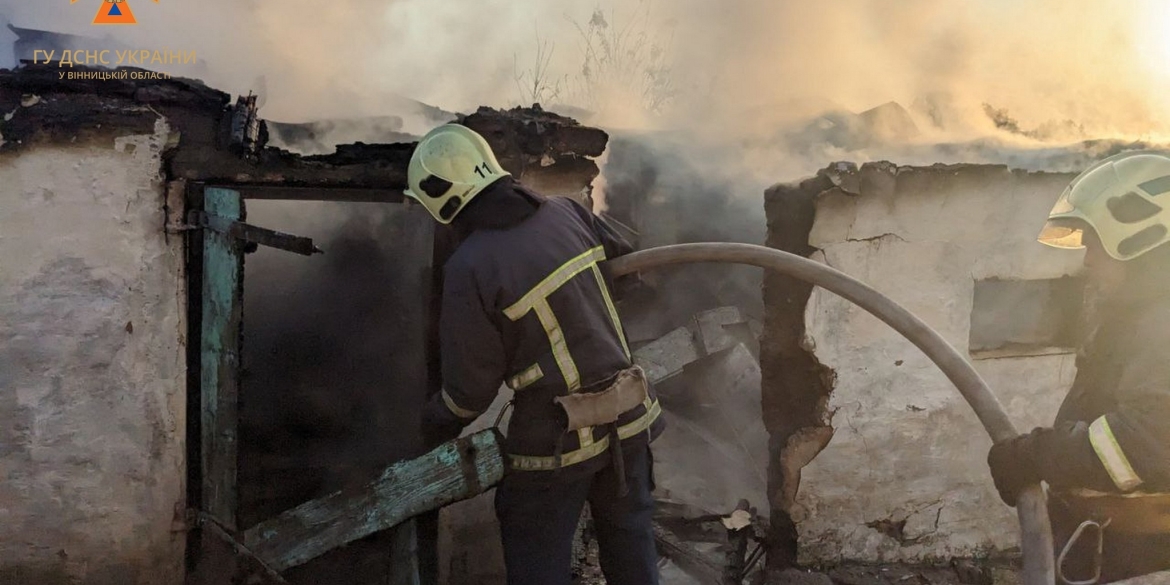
548,152
795,385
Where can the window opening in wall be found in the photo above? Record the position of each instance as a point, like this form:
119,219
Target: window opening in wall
1015,318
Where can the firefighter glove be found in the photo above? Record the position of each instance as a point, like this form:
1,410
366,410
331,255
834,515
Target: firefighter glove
1013,467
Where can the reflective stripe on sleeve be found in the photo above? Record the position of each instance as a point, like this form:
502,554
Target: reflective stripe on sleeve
526,378
1111,455
455,409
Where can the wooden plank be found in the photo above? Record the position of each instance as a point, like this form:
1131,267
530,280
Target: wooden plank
223,268
321,194
456,470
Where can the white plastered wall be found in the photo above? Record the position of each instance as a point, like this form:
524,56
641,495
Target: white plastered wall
904,478
92,378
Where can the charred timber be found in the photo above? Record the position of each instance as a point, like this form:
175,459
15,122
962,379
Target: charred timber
215,141
531,140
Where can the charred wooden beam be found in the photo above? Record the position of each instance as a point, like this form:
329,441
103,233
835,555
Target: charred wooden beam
247,130
455,471
549,152
214,141
381,168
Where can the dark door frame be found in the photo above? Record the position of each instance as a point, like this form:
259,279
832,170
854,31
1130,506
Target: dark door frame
214,337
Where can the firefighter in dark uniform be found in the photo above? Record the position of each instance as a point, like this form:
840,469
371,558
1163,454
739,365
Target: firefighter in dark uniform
526,304
1107,458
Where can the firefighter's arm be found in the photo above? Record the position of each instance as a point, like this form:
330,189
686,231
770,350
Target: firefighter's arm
1061,456
1133,442
1122,450
472,355
615,245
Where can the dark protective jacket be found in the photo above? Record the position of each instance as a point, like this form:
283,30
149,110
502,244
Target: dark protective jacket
1113,430
525,303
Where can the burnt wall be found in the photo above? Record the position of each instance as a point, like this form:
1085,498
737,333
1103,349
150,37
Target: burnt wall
795,386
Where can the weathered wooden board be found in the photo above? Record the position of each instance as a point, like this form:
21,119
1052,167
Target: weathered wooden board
455,471
223,269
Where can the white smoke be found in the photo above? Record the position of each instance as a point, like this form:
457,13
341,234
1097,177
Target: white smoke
739,65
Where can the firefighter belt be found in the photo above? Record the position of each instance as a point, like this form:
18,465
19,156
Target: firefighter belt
1132,513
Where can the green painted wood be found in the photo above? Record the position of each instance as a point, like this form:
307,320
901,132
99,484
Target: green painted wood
223,275
456,470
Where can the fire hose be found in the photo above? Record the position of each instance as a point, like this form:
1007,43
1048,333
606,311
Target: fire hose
1035,531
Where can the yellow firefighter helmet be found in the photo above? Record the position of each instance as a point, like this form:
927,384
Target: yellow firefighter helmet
450,166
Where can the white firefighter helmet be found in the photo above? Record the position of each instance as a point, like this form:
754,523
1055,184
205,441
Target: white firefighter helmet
1124,199
449,167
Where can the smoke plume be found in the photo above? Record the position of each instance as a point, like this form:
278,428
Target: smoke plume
742,64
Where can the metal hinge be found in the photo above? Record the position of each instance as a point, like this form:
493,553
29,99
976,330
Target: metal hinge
247,233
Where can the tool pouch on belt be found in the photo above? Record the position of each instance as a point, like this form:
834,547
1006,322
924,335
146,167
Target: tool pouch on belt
597,409
628,391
